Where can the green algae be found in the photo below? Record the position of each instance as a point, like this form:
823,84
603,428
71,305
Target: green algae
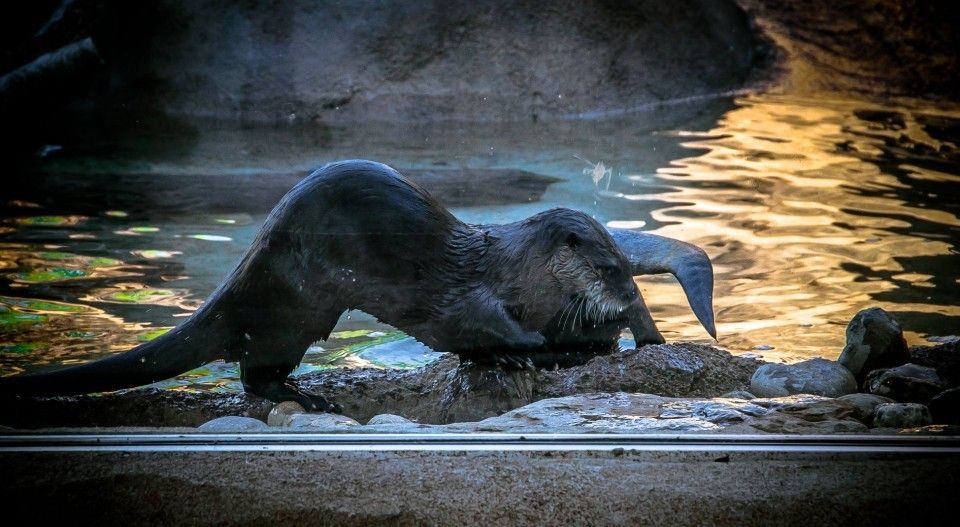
22,348
56,274
138,296
150,335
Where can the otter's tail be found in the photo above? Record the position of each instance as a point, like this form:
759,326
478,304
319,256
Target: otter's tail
195,342
652,254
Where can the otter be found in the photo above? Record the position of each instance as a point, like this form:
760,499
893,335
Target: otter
554,288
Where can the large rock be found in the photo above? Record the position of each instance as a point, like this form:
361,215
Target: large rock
901,415
909,383
815,376
874,340
331,62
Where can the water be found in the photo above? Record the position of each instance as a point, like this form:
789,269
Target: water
811,210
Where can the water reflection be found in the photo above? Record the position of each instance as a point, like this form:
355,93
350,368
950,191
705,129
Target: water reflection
814,209
810,209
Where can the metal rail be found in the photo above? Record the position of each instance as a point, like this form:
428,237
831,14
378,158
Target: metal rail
267,442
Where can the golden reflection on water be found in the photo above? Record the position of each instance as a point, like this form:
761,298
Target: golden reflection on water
799,203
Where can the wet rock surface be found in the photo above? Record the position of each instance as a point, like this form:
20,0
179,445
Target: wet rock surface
815,376
623,413
874,340
445,391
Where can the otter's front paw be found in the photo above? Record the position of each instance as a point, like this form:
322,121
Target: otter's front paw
526,340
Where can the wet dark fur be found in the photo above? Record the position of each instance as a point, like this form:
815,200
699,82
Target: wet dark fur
358,235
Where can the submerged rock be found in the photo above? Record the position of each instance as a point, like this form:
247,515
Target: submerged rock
865,404
909,383
815,376
874,340
902,415
234,423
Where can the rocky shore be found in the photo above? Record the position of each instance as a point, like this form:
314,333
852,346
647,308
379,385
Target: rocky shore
878,385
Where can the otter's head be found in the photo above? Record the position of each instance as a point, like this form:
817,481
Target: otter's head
587,265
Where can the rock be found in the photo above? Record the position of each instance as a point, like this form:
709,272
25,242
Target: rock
621,413
320,422
443,391
281,413
234,423
388,419
395,63
944,358
804,414
909,383
901,415
739,394
945,407
874,340
815,376
865,404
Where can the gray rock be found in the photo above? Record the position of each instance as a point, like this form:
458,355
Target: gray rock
865,404
944,358
281,413
739,394
874,340
621,413
803,414
945,407
388,419
320,422
234,423
644,413
396,64
902,415
909,383
815,376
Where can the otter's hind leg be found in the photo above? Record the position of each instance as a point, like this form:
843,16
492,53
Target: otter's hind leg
268,359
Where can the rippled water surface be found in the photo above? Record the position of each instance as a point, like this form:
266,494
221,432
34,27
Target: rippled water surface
810,209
